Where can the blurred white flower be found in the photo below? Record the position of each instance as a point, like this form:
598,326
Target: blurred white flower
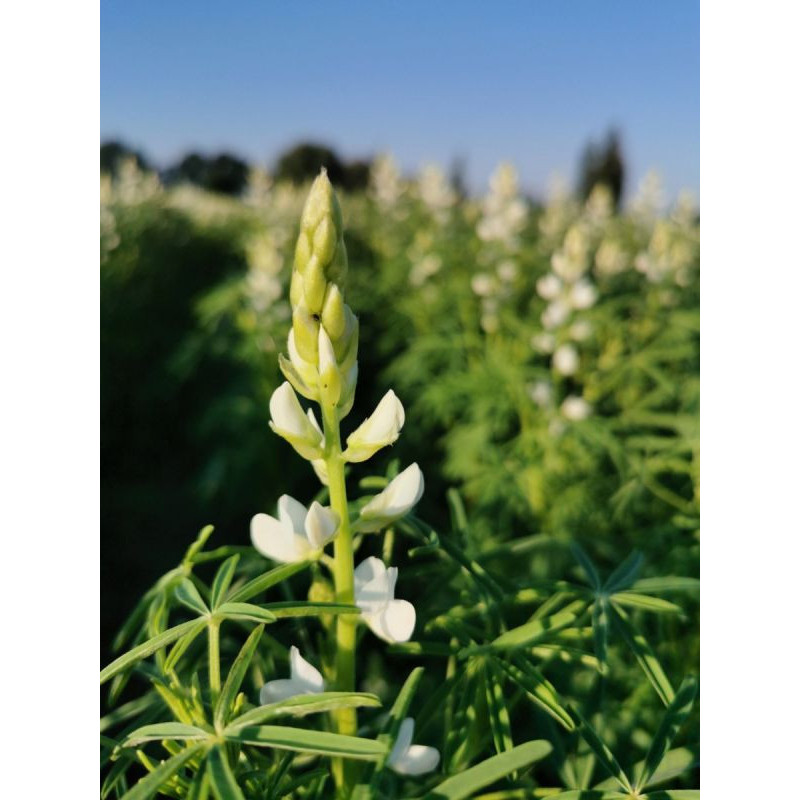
565,360
386,182
435,191
575,408
380,429
389,619
296,534
555,315
423,269
304,679
548,286
411,759
289,421
503,212
395,501
483,284
581,330
490,322
610,258
543,342
507,270
583,295
541,392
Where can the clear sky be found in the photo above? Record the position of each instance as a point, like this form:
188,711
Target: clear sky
525,80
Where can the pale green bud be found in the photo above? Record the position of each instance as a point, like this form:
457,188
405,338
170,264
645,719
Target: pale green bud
306,334
330,380
321,202
314,284
333,315
296,289
325,240
302,252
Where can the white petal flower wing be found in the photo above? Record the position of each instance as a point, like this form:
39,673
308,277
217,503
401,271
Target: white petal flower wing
276,540
411,759
395,623
394,501
304,673
292,513
321,525
380,429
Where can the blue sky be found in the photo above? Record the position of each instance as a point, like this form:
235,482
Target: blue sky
525,80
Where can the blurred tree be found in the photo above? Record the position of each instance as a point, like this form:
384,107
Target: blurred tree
303,162
603,164
224,173
356,176
112,153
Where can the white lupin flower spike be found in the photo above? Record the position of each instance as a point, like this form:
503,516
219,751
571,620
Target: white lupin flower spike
411,759
303,679
289,421
395,501
389,619
296,534
380,429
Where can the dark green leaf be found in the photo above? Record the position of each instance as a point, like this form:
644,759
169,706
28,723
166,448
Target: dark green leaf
223,781
499,719
235,677
528,634
186,593
588,567
601,751
625,574
267,580
152,782
222,580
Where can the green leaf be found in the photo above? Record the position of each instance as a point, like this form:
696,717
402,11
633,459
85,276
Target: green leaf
223,781
245,611
601,751
309,609
588,567
644,655
528,634
675,794
625,574
399,711
164,730
499,719
589,794
152,782
266,581
186,593
235,677
674,717
600,630
197,544
538,689
222,580
304,704
674,763
666,584
145,649
307,741
182,645
466,783
646,603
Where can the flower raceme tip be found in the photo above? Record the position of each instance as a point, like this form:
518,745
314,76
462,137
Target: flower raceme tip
303,679
411,759
389,619
394,502
297,533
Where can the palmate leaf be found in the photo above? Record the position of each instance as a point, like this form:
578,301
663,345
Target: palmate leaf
145,649
602,752
676,714
266,581
674,763
165,730
588,567
308,741
466,783
152,782
644,655
221,777
304,704
600,631
525,675
222,580
625,574
183,644
235,677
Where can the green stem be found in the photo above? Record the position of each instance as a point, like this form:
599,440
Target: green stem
214,678
344,719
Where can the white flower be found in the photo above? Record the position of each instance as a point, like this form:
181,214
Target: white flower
575,408
555,315
583,295
296,534
411,759
543,342
389,619
565,360
541,392
304,679
507,270
482,284
381,428
289,421
548,286
396,500
581,330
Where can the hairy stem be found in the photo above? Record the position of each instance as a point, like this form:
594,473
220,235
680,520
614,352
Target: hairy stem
345,719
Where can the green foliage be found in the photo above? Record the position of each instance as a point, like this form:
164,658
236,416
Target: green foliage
556,606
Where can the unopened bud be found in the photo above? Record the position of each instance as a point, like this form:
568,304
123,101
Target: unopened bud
330,380
306,334
333,316
314,285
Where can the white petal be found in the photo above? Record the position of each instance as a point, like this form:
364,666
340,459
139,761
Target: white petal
395,623
381,428
405,736
417,760
285,410
368,569
304,673
327,357
372,597
313,420
274,540
292,513
394,501
321,525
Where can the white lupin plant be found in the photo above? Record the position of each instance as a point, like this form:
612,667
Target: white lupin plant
322,366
